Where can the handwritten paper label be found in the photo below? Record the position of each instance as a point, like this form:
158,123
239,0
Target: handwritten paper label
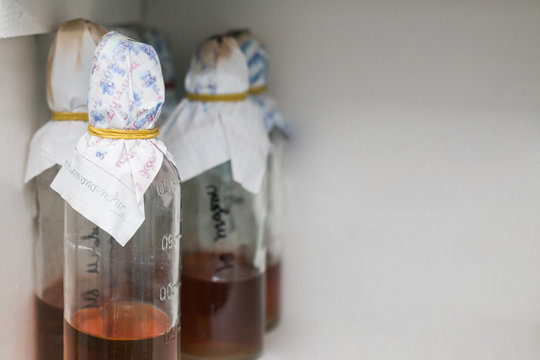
100,198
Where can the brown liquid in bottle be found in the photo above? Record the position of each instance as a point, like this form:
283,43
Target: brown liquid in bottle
222,310
120,331
273,294
50,317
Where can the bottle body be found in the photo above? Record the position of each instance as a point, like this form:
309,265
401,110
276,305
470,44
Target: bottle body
122,302
48,268
274,229
223,256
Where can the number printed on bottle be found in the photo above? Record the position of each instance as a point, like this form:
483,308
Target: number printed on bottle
169,241
167,186
168,292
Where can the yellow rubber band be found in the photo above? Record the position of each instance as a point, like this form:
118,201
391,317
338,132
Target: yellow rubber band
123,134
68,116
258,90
216,97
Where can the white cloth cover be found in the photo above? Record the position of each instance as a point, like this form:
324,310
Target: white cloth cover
257,60
105,179
202,135
68,75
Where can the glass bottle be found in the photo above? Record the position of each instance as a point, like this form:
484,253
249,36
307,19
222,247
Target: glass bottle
70,57
275,124
123,302
48,267
274,228
223,257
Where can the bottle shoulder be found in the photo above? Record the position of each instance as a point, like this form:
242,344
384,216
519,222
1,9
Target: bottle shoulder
167,180
167,170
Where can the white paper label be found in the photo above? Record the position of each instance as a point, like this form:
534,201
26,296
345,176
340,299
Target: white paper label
100,198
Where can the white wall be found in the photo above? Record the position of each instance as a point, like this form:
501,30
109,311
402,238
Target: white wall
415,199
21,104
415,169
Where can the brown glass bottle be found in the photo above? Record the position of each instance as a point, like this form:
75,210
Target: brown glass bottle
273,294
222,311
50,317
48,268
120,331
274,232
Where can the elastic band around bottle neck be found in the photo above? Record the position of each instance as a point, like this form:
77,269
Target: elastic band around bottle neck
217,97
68,116
258,90
123,134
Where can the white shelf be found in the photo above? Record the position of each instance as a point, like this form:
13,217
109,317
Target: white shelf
29,17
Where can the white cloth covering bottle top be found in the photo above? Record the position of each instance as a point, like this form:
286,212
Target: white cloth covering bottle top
68,76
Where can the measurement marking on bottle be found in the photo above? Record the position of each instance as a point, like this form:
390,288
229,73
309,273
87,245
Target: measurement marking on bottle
170,241
167,186
167,292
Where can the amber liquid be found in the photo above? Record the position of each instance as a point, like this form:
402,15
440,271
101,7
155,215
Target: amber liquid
120,331
50,317
222,311
273,294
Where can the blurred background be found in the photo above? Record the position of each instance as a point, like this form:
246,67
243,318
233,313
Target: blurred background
413,217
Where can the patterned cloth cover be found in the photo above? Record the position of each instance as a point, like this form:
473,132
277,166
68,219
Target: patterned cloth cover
105,179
